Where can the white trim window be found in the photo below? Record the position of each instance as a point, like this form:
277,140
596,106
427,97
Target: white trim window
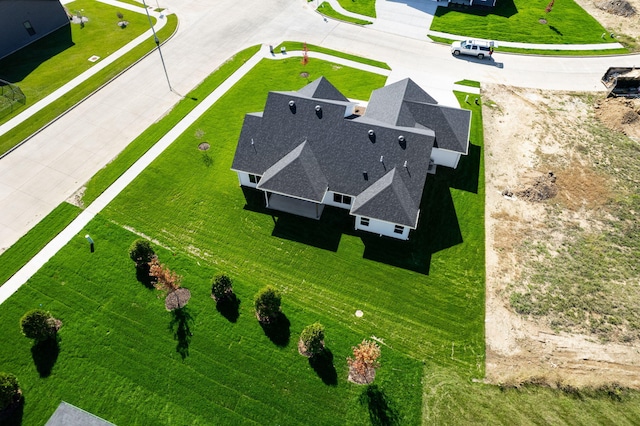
398,229
254,179
341,199
364,221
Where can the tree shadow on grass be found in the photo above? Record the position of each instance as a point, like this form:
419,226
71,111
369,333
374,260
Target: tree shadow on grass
12,415
180,325
45,354
322,364
143,277
278,330
381,412
229,307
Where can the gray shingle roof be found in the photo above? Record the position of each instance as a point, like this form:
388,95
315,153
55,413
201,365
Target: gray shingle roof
302,145
298,174
320,88
387,199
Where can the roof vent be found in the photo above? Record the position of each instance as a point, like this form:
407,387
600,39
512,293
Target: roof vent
292,103
382,158
402,141
371,132
400,138
251,141
318,108
405,164
365,175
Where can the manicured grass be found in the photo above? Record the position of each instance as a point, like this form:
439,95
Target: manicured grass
73,61
518,20
545,52
470,83
362,7
326,9
296,45
30,244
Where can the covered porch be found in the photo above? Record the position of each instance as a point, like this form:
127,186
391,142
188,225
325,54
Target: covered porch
295,206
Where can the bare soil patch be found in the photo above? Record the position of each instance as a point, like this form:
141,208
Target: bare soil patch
614,15
177,299
562,296
616,7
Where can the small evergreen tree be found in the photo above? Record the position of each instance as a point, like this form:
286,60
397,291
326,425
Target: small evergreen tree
221,287
267,304
9,390
363,365
39,325
312,340
141,252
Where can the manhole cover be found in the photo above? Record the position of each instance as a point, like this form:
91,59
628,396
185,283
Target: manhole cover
304,74
203,146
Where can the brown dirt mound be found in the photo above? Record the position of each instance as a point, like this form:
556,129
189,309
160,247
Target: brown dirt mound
620,114
543,188
616,7
177,299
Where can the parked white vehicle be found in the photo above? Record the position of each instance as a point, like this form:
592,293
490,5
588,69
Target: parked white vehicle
478,48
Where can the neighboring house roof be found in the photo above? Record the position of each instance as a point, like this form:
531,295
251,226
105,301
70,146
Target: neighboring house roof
303,145
69,415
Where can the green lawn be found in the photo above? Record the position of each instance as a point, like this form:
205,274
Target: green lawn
298,46
121,355
46,65
363,7
518,20
326,9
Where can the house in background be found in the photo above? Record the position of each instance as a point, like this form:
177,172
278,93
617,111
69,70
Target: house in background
24,21
309,148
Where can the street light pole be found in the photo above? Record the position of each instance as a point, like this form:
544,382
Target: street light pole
155,38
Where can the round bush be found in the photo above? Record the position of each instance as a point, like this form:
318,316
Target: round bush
267,304
38,325
9,390
141,252
312,337
221,287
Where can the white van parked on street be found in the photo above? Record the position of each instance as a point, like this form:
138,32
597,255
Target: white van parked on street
478,48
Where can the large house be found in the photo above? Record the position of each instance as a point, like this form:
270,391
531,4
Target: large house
309,148
24,21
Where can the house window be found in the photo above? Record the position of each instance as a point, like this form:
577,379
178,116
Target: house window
254,179
342,199
364,221
398,229
29,28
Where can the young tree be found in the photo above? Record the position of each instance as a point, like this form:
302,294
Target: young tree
165,279
267,304
363,365
39,325
311,340
9,390
141,253
221,287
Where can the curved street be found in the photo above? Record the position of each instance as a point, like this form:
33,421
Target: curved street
50,167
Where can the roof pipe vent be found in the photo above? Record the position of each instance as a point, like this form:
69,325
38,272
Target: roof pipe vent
402,141
405,164
400,138
292,106
292,103
382,158
371,132
372,135
318,108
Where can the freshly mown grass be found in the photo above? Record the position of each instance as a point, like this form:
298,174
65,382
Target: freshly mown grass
299,46
544,52
450,398
71,62
326,9
470,83
362,7
30,244
518,20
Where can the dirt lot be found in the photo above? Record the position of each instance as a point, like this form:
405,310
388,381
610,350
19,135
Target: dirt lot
563,286
610,13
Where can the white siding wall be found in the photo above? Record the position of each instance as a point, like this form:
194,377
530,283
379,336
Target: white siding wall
382,228
244,180
328,200
446,158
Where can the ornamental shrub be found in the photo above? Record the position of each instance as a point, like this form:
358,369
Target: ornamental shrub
312,338
221,287
141,252
267,304
38,325
9,390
